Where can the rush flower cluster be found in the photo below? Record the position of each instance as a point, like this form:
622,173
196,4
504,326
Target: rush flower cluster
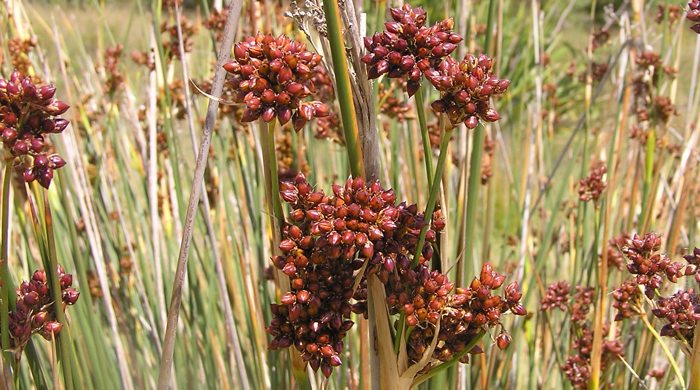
466,88
462,314
35,310
593,185
333,242
28,114
407,47
329,238
271,76
648,264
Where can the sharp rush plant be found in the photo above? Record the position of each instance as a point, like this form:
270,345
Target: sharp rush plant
386,195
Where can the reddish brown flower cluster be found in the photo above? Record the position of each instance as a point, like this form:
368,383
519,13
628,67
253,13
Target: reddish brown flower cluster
466,88
407,48
329,238
19,50
216,22
556,296
592,186
35,311
144,58
674,13
271,77
648,264
627,299
425,297
615,256
114,78
693,267
171,42
682,312
578,366
28,113
694,15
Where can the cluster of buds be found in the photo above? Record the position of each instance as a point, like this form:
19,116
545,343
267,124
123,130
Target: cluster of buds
694,15
693,267
28,113
361,226
674,13
113,77
216,22
476,307
577,367
615,256
394,107
146,59
556,296
407,48
682,313
271,77
328,239
648,264
592,186
466,88
35,309
627,300
426,297
19,50
171,42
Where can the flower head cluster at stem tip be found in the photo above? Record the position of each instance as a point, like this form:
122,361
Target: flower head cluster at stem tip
272,78
333,243
28,113
35,310
408,50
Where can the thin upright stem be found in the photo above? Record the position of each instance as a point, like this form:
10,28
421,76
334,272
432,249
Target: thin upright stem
427,150
343,87
432,201
165,373
4,267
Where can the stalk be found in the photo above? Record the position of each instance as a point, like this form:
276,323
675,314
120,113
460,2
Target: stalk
343,87
432,200
64,339
475,166
695,364
427,150
165,372
4,260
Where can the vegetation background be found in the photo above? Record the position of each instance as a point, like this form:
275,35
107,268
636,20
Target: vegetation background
118,206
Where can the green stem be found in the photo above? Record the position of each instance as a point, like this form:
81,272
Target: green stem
432,200
472,197
667,352
434,189
427,150
273,179
4,260
64,340
695,363
343,90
